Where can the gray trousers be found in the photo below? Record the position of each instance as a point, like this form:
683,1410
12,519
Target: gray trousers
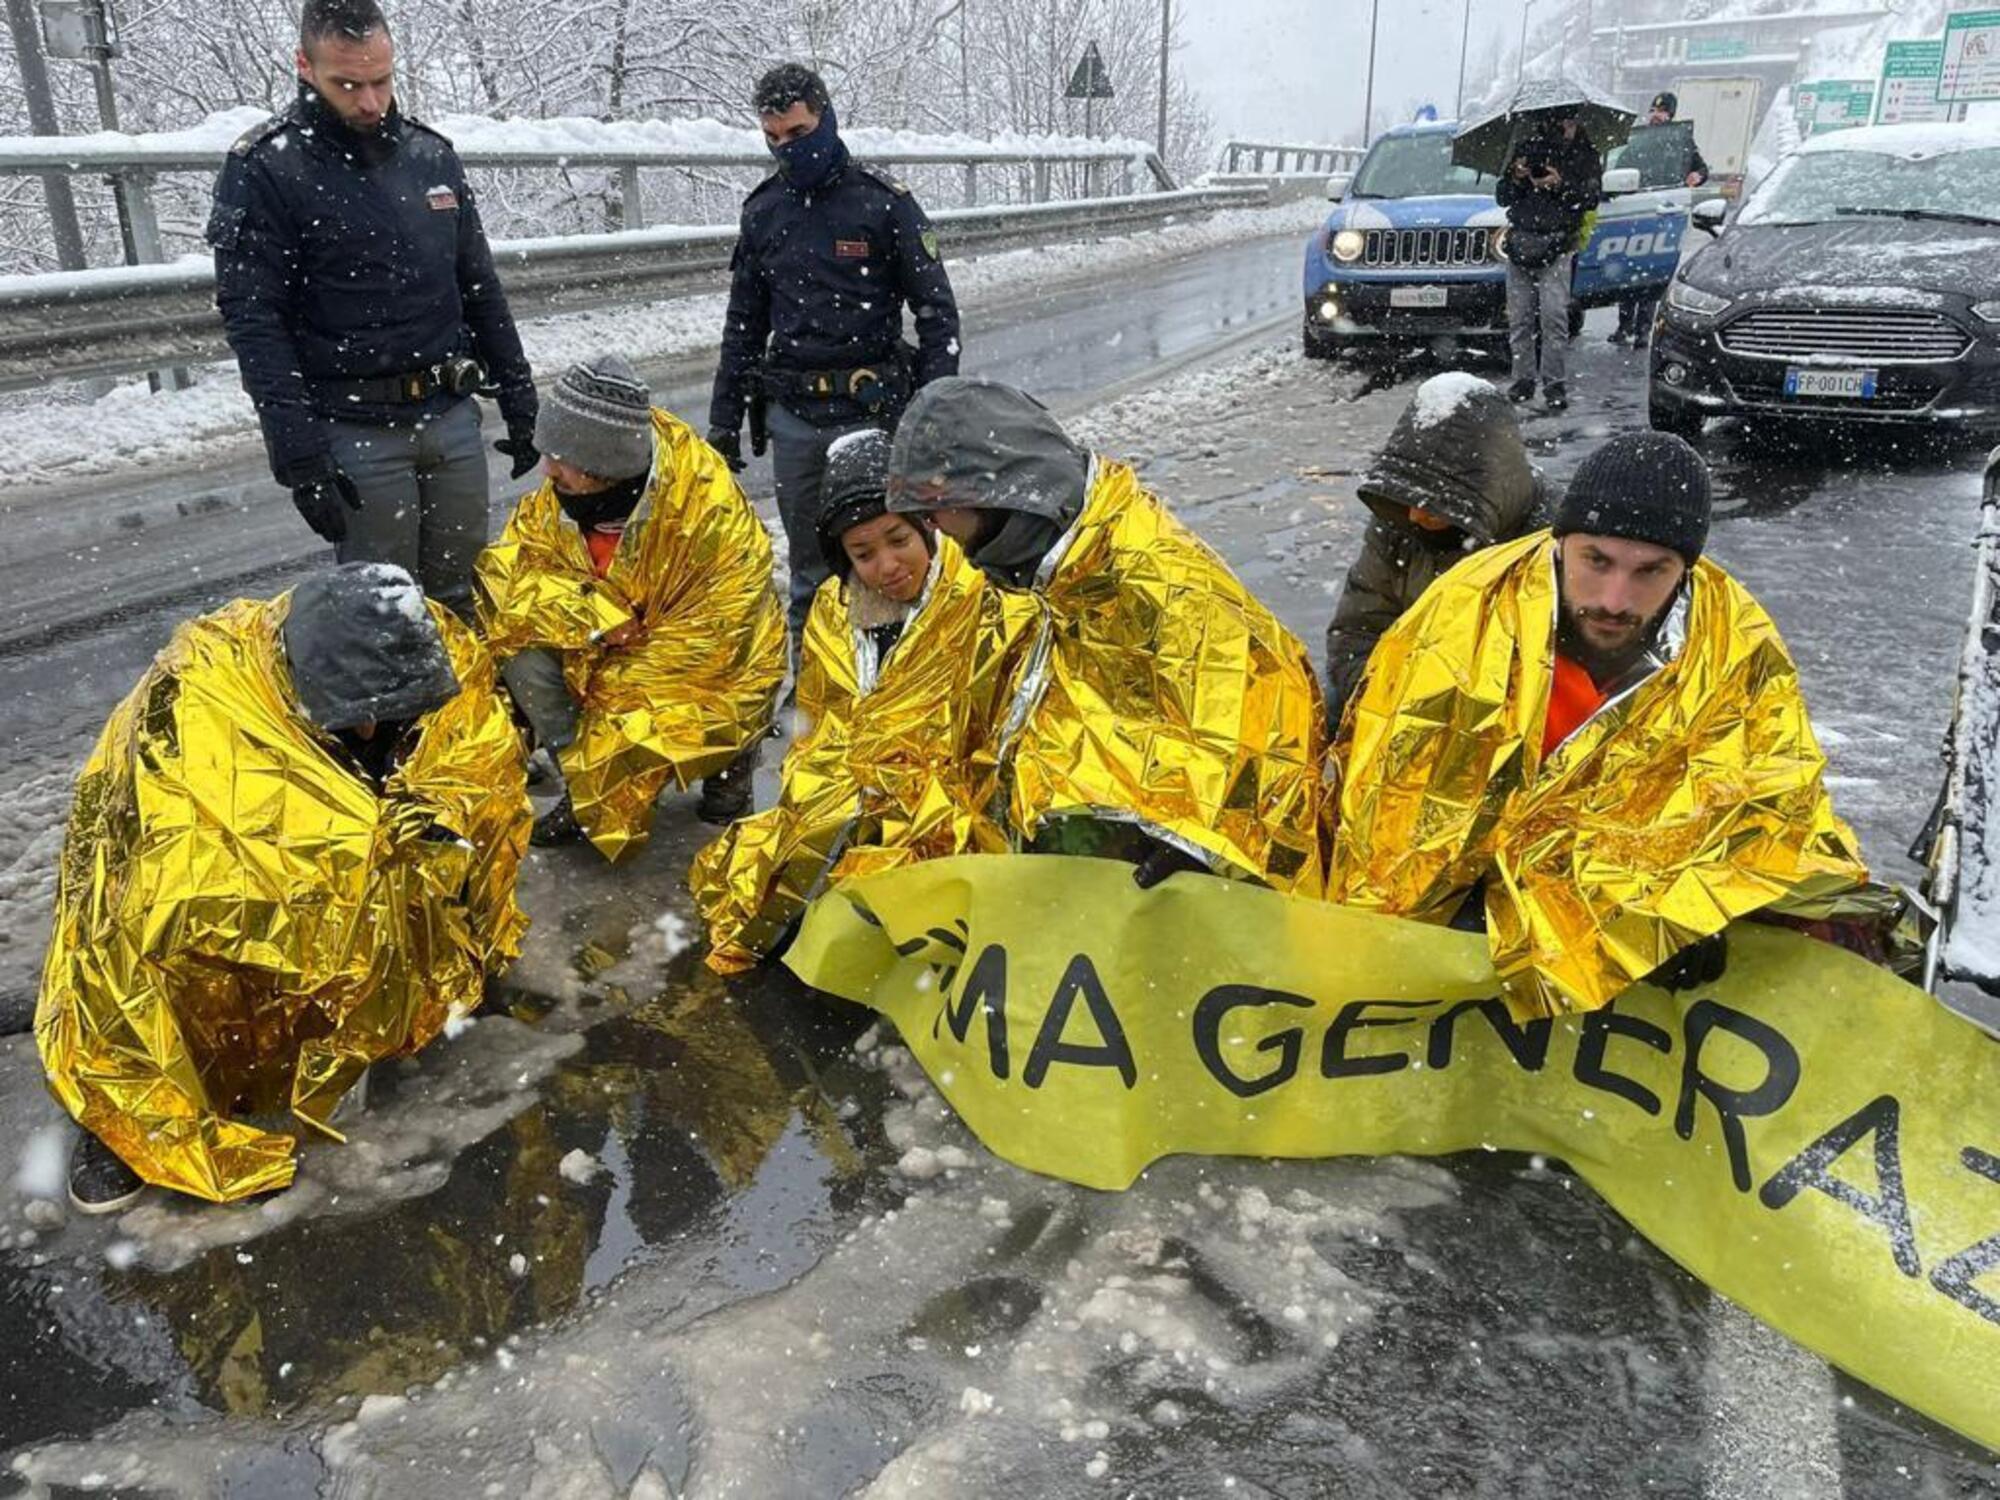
798,462
1538,312
535,679
423,499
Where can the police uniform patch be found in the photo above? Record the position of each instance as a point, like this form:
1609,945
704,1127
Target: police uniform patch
850,249
930,243
441,199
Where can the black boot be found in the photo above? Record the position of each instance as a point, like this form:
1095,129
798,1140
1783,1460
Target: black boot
1619,334
1521,392
726,795
99,1182
1554,397
557,826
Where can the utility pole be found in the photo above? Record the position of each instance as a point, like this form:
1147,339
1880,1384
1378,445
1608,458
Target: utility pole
42,120
1521,60
1368,108
1166,36
1464,42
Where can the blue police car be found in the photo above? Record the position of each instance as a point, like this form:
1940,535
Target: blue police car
1414,251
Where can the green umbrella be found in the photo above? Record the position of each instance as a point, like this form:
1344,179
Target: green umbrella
1487,144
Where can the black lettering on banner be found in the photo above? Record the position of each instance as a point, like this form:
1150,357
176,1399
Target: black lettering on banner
985,988
1219,1002
1955,1277
1528,1045
1733,1106
1080,978
1811,1168
1333,1059
1599,1027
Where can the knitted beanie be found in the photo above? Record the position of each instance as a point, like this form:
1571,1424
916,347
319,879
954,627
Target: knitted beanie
1643,487
599,417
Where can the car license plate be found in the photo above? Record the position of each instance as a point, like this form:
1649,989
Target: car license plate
1847,385
1420,296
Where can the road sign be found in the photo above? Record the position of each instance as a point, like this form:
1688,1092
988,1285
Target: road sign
79,30
1971,68
1835,104
1908,95
1090,80
1717,48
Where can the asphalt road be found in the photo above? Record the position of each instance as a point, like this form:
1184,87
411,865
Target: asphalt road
734,1291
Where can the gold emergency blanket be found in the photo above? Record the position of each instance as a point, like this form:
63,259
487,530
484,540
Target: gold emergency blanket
1692,800
1164,693
244,924
898,764
1812,1137
699,684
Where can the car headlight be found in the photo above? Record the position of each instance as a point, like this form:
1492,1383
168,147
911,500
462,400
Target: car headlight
1496,244
1347,245
1986,312
1692,299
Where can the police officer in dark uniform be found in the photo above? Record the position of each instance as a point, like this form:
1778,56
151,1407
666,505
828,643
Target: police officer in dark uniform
830,252
359,294
1635,312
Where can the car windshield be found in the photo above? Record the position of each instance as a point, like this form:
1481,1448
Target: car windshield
1820,186
1415,166
1658,152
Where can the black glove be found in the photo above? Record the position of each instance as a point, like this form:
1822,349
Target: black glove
519,445
1699,963
760,423
325,501
730,446
1161,861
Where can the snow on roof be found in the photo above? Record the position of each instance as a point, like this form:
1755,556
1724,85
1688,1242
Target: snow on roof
477,135
1441,395
1909,140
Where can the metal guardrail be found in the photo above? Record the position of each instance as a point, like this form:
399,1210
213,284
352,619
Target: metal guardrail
1962,836
1248,157
125,321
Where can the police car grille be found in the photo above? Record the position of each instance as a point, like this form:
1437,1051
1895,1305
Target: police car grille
1425,247
1876,335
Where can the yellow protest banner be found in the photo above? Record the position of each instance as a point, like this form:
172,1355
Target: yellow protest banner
1812,1137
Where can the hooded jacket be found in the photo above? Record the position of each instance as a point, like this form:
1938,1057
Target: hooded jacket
699,685
898,765
1457,453
244,920
1160,693
1689,800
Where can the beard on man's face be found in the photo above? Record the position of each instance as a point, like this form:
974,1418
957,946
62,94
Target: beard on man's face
1605,641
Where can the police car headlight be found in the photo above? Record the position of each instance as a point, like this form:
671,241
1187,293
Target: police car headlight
1694,301
1496,244
1347,245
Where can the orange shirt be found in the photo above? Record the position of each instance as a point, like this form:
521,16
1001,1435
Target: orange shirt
1573,698
603,546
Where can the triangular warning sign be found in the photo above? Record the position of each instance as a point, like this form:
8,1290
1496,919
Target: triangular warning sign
1091,80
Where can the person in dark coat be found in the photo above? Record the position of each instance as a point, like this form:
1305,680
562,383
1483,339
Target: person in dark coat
1549,188
1453,477
830,253
1635,313
358,291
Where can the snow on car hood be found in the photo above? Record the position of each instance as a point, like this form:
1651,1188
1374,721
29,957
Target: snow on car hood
1888,259
1445,211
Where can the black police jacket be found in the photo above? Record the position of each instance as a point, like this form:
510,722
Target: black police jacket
340,259
818,282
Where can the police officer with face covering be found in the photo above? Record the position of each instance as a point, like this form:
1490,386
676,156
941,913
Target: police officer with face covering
830,253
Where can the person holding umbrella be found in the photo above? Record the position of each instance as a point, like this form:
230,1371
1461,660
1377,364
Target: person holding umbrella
1550,186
